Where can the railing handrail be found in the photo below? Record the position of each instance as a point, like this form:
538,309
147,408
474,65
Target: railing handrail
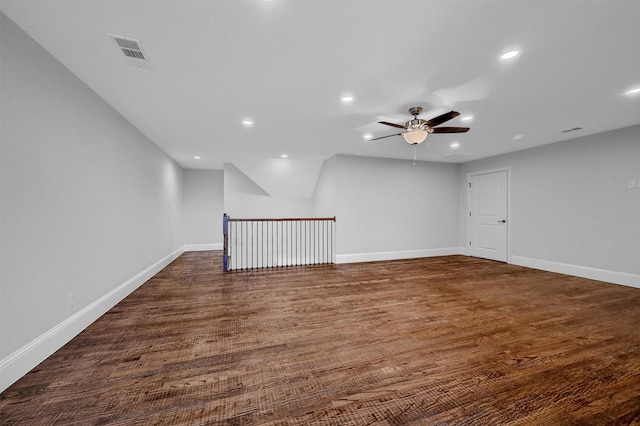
279,219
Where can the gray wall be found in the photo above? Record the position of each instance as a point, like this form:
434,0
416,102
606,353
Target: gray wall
203,208
325,201
387,205
572,199
87,200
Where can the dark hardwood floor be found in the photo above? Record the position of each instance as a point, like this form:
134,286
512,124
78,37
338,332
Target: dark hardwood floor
435,341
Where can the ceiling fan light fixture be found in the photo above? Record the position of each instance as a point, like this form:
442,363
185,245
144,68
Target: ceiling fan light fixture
417,129
415,137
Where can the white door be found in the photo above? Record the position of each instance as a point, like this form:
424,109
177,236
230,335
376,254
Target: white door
487,220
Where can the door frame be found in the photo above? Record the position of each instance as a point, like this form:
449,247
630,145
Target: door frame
506,169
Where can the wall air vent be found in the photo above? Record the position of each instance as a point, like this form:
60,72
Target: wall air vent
132,51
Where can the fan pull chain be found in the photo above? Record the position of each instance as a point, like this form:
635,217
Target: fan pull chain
415,154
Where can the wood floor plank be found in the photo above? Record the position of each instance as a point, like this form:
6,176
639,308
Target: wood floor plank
434,341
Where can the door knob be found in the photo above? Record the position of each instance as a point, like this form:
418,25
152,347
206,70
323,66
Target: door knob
502,221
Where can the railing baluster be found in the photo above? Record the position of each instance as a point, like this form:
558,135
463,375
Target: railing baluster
268,243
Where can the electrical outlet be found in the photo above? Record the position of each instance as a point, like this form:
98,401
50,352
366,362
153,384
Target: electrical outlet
71,300
545,253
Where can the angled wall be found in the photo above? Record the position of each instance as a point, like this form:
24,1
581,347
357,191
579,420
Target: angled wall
244,198
90,207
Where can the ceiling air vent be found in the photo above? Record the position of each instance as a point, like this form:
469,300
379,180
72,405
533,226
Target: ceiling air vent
132,51
570,130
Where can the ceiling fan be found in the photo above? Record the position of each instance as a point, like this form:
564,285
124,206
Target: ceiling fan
417,129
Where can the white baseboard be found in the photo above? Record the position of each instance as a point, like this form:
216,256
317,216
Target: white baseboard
464,251
203,247
20,362
394,255
615,277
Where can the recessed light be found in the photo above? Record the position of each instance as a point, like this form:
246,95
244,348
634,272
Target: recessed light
346,99
455,145
367,136
467,118
518,137
511,54
197,157
247,122
635,91
284,156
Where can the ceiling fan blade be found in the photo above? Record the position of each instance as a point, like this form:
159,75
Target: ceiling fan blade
450,129
442,118
382,137
399,126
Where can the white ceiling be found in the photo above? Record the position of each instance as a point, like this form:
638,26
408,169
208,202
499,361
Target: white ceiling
286,63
